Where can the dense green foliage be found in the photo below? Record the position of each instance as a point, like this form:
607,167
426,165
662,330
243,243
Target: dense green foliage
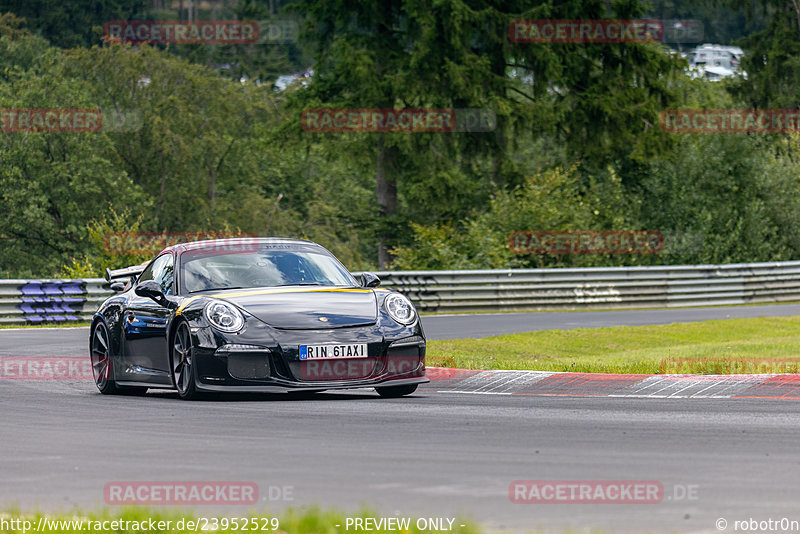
186,146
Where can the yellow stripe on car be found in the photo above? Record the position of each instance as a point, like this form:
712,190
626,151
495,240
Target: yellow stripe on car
186,303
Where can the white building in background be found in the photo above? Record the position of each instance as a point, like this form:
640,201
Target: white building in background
285,81
715,62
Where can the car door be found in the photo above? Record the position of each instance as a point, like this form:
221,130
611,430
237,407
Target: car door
145,328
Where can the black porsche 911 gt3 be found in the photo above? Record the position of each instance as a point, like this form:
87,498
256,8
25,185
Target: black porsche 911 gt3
253,315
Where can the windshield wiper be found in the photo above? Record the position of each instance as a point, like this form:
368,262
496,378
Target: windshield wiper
218,289
254,287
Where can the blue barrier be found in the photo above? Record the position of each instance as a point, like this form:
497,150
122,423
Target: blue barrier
44,301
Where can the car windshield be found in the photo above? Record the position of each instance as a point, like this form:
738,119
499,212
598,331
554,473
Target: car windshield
264,268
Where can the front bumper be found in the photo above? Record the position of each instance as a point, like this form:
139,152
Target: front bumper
307,386
268,361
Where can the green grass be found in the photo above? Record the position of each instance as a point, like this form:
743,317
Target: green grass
763,345
292,521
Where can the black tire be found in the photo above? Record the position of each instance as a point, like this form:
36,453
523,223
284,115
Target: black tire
181,359
392,392
102,370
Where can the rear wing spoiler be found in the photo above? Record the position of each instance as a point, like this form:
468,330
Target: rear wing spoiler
126,273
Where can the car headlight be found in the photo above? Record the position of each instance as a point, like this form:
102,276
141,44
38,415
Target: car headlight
224,316
400,308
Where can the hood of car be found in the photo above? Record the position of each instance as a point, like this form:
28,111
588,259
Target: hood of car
307,307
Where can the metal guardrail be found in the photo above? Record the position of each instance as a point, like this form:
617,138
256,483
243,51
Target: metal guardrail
50,301
598,287
59,301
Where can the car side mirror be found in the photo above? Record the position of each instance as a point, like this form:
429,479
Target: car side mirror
152,290
370,280
117,287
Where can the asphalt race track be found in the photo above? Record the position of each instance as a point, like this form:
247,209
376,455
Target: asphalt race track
432,454
435,454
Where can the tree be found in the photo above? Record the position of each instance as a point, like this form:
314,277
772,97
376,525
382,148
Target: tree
173,147
772,62
600,99
73,23
276,53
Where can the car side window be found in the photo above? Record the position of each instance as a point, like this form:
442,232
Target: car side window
147,274
167,275
162,271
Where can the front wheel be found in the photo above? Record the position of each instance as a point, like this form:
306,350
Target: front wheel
392,392
182,363
102,370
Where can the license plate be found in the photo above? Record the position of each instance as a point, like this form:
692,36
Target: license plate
333,352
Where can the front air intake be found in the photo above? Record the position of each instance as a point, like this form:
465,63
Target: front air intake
246,362
248,366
